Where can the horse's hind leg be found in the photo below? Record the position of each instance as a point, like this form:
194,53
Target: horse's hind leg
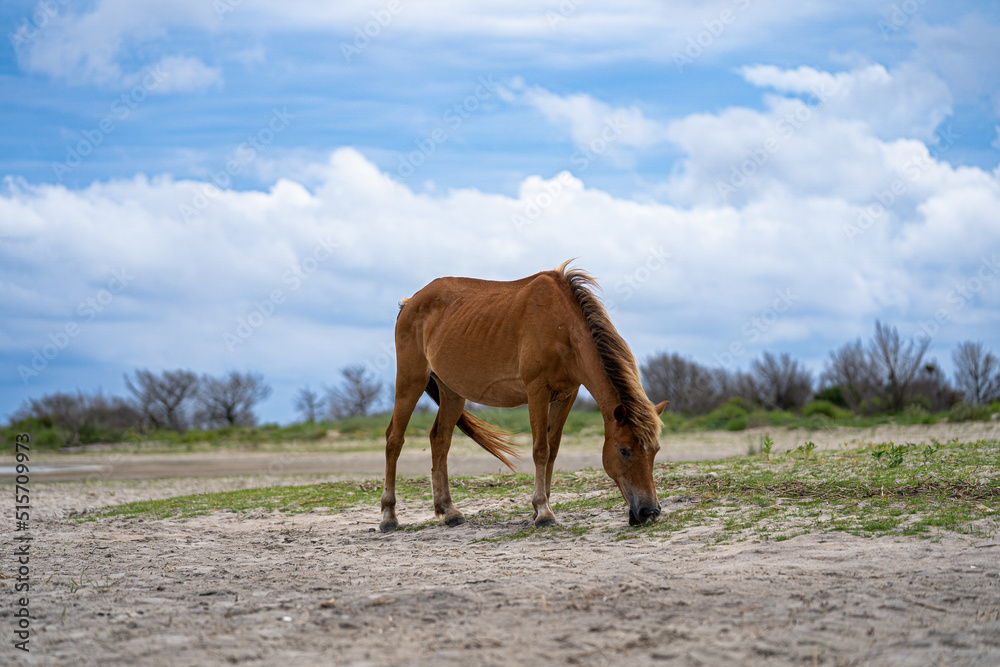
411,380
449,412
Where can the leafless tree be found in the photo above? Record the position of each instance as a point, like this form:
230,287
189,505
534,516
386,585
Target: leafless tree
736,384
164,399
851,369
977,372
931,387
307,403
83,418
230,399
691,388
62,410
357,394
898,363
780,382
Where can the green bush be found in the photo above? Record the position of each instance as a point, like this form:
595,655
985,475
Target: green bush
833,395
759,418
43,434
817,422
873,406
825,407
737,424
917,413
963,412
672,421
724,415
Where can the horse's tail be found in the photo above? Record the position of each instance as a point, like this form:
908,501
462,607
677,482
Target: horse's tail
488,437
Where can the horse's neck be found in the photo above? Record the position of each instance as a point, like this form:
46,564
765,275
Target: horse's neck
595,379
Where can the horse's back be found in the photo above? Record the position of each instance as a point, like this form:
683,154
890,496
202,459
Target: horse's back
476,334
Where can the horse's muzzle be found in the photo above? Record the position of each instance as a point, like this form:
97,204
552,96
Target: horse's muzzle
647,514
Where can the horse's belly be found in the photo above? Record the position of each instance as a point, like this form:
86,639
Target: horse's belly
499,392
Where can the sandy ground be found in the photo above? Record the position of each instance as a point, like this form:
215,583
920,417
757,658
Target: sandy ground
318,588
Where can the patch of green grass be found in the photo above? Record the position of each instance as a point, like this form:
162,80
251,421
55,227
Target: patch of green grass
288,499
868,489
554,532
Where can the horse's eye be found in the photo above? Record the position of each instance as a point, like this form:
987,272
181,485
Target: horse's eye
624,452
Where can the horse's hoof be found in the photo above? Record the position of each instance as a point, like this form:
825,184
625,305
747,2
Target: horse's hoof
546,522
455,521
388,526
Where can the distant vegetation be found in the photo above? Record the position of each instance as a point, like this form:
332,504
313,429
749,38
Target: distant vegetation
863,384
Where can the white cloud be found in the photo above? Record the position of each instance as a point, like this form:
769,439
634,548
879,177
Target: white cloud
852,136
89,47
341,254
907,102
99,43
966,55
182,74
588,118
596,128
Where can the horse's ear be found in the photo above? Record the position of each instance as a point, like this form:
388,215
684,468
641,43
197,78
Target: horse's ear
621,414
660,407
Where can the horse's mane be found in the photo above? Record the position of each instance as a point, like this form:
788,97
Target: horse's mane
616,357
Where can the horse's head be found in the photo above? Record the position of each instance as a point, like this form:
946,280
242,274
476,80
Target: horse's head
629,462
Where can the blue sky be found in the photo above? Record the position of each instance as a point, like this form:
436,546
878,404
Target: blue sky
740,175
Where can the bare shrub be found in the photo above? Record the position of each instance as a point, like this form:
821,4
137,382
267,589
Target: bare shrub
931,388
229,400
780,382
357,394
82,418
164,400
851,369
977,373
898,363
691,388
308,404
736,384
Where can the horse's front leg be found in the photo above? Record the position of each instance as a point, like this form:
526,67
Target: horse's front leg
558,413
538,414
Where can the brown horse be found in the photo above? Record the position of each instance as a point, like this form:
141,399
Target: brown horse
504,344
